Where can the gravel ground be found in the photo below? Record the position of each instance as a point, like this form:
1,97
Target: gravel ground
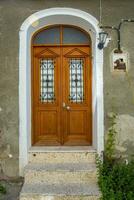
13,188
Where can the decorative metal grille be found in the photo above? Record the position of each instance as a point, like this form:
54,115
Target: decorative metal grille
76,80
47,80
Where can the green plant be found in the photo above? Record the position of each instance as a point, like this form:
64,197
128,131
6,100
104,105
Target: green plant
110,142
115,178
2,189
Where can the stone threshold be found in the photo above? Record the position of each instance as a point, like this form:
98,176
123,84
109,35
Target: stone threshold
61,149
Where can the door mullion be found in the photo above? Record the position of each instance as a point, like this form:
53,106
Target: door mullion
62,89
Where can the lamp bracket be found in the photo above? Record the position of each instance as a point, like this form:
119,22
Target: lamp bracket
118,31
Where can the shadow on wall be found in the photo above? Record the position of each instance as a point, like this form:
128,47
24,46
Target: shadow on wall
127,151
124,144
7,159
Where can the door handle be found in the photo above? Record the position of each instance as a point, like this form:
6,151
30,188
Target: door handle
68,107
65,106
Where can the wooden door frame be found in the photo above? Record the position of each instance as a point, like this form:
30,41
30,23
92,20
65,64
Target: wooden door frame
29,27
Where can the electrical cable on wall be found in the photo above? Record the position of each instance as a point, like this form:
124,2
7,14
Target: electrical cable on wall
118,30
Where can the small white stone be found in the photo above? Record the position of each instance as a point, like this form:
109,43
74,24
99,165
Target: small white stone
126,161
10,155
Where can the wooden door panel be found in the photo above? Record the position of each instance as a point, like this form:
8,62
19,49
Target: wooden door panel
76,123
46,98
48,123
78,127
77,74
62,115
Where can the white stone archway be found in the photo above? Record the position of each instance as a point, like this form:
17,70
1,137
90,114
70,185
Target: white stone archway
29,27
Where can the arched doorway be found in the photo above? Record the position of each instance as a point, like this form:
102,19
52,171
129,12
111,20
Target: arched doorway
35,22
61,87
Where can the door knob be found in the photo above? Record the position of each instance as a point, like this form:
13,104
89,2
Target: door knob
68,107
65,106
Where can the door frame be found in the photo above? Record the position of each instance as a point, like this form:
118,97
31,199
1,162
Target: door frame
33,23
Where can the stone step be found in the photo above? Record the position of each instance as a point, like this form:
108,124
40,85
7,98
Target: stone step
62,156
60,192
61,173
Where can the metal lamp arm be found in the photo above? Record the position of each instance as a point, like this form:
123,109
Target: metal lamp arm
118,30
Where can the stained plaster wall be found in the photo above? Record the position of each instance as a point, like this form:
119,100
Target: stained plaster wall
118,89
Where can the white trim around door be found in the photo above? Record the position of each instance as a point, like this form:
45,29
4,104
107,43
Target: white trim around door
29,27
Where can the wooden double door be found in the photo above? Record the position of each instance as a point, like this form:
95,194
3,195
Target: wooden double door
61,96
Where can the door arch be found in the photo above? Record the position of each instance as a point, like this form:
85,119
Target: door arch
35,22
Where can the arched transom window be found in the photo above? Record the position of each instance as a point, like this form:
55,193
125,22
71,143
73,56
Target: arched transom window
61,35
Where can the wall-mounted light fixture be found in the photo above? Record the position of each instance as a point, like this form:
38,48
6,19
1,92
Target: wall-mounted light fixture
102,39
118,30
115,28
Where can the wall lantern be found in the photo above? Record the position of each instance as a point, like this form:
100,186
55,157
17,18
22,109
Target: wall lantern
102,39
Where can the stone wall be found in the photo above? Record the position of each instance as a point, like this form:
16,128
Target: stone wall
118,89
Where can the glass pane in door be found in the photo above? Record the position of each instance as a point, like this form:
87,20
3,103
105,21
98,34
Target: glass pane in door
76,80
47,80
